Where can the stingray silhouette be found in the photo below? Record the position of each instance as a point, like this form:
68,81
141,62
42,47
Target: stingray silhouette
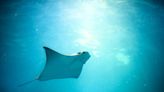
61,66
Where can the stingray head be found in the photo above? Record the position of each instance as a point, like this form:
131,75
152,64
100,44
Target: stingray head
84,56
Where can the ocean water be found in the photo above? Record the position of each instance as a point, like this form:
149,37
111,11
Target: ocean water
124,37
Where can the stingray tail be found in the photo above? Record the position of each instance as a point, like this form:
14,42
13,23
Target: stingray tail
26,83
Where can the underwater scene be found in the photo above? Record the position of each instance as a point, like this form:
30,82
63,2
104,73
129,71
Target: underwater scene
81,46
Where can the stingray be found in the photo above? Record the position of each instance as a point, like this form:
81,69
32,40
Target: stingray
59,66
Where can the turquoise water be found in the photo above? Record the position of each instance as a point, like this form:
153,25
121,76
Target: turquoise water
124,38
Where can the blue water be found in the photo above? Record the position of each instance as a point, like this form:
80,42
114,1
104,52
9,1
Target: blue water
125,39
